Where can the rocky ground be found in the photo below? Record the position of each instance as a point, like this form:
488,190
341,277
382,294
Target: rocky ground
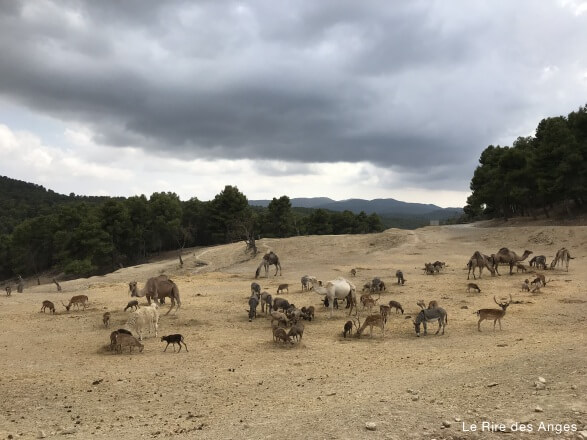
59,379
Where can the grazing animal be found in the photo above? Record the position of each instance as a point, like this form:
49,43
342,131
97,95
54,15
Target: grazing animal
174,339
400,277
376,285
280,303
146,318
255,288
494,314
520,267
439,265
431,305
397,306
428,315
282,288
535,289
384,311
269,259
540,279
296,331
368,301
106,319
77,301
339,288
429,269
308,282
134,303
371,321
504,255
481,261
279,334
539,262
48,305
124,340
280,317
563,256
253,303
8,291
474,287
353,272
266,302
308,313
526,285
113,336
348,329
158,288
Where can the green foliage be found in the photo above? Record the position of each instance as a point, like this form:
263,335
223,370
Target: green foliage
84,236
535,173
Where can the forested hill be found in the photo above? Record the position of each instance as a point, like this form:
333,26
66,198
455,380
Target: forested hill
41,230
21,200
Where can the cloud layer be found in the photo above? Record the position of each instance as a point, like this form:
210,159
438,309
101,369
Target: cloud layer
416,88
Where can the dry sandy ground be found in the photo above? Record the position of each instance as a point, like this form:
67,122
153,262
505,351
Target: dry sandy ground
236,383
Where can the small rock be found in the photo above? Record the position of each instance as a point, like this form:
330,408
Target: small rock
96,382
539,385
457,419
541,379
415,398
583,434
573,387
464,307
41,434
492,384
371,426
446,424
538,409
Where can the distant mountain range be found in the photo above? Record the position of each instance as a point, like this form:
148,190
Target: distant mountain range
382,207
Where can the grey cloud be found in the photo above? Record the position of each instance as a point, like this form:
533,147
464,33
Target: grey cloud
417,86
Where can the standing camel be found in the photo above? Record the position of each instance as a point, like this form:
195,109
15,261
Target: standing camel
504,255
269,259
479,260
157,288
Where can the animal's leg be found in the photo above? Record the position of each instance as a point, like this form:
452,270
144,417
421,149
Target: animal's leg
499,323
166,347
479,324
425,329
494,321
439,325
331,304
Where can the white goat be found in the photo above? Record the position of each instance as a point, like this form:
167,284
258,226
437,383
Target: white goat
146,317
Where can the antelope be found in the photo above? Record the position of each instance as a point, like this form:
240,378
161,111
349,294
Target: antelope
77,300
106,319
526,285
474,287
375,320
384,310
48,305
494,314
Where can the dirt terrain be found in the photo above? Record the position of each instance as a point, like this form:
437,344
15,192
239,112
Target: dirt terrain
60,380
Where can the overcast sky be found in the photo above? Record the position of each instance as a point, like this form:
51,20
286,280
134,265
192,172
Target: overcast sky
366,99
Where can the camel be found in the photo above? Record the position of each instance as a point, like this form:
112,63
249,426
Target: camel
563,256
479,260
157,288
504,255
269,259
340,288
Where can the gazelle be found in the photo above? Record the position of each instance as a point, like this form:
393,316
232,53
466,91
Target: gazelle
77,301
375,320
494,314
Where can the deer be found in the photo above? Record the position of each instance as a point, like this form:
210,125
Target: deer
77,301
494,314
375,320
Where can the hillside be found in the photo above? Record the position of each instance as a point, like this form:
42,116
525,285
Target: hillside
235,382
384,207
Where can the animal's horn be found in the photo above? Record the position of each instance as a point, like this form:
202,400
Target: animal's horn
495,300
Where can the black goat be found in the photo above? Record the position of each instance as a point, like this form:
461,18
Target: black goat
174,339
134,303
253,303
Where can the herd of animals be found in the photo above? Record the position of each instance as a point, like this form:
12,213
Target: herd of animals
287,320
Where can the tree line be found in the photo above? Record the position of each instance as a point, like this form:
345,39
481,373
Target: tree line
82,236
535,174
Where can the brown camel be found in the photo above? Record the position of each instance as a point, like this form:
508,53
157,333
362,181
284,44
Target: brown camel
504,255
269,259
479,260
157,288
563,256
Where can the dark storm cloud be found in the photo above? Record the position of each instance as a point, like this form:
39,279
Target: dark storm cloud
409,85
